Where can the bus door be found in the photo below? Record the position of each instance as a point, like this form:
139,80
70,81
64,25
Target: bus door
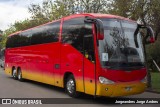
77,53
89,60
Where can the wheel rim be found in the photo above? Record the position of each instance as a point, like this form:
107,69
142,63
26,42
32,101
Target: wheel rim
70,86
14,73
19,75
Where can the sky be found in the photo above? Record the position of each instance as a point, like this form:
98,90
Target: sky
14,10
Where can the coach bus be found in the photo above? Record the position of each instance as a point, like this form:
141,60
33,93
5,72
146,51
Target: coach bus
96,54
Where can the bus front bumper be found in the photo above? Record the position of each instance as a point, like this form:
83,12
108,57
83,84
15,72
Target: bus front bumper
120,89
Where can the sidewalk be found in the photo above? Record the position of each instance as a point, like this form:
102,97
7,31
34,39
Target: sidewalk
152,90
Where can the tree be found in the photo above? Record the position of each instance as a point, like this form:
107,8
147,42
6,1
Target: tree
4,36
1,32
93,6
121,7
52,10
144,11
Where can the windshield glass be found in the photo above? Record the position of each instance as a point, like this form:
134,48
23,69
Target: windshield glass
117,50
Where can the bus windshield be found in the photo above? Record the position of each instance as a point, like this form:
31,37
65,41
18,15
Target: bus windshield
118,50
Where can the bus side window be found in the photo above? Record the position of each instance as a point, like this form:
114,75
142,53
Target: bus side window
13,41
46,34
79,34
25,38
71,33
9,42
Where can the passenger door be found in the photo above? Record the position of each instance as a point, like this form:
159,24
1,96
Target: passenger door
77,53
89,60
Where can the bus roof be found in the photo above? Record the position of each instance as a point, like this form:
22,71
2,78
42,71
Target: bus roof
99,15
96,15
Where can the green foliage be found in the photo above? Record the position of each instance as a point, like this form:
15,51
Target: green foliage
121,7
48,11
156,81
153,53
145,11
4,36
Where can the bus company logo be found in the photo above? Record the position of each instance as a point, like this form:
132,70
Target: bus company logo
6,101
21,101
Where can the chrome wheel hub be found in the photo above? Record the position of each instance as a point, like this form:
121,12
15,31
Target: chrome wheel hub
19,75
14,73
70,86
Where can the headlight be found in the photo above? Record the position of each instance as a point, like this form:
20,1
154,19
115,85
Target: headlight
105,80
144,80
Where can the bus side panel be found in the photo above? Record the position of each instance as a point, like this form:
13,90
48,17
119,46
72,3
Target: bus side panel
33,58
82,69
89,77
37,62
41,62
8,64
56,68
72,61
14,58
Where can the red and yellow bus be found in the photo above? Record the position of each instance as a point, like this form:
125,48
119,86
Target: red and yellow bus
96,54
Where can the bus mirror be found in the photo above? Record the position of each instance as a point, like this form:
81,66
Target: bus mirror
100,29
99,26
150,38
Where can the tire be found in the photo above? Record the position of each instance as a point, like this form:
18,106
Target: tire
14,73
70,87
19,75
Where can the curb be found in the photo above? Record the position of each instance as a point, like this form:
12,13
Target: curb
152,91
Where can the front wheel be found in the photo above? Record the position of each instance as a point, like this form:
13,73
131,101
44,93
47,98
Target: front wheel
19,75
70,86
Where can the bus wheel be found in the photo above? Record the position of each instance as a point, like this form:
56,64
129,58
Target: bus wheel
19,75
14,73
70,86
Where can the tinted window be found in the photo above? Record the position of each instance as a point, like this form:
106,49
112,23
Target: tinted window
43,34
72,32
46,34
9,43
25,38
13,41
79,35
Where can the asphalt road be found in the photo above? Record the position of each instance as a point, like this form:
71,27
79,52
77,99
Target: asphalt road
10,88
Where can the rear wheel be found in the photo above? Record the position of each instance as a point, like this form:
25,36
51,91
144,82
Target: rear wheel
70,86
14,73
19,75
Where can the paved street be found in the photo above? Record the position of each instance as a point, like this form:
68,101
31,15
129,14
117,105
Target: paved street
10,88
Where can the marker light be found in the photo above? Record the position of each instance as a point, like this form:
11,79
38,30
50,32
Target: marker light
144,80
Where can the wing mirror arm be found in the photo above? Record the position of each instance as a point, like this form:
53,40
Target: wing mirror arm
99,26
149,38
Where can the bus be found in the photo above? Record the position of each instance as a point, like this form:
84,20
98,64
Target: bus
96,54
